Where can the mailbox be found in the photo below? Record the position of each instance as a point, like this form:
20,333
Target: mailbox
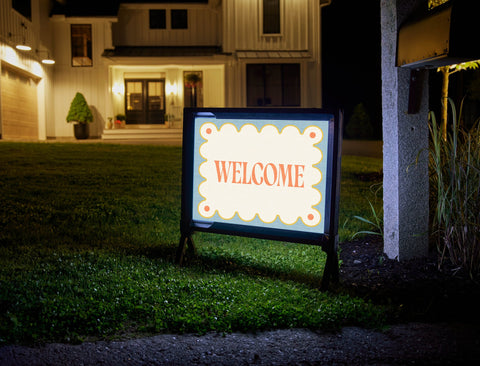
446,35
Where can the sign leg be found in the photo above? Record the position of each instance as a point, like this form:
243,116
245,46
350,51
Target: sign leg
186,245
331,271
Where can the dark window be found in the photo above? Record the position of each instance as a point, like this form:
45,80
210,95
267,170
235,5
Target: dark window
81,45
179,19
24,7
158,19
271,16
273,85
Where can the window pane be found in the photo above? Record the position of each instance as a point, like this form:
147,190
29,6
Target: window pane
271,16
157,19
179,19
156,95
273,85
255,85
291,85
134,96
81,44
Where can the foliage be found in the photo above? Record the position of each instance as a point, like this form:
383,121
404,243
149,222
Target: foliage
455,165
79,110
120,117
359,126
434,3
100,263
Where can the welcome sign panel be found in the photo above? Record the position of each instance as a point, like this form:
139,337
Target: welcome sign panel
260,170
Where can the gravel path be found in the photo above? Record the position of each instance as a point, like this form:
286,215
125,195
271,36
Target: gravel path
413,343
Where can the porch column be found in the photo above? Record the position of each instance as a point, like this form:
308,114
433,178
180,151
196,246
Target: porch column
405,183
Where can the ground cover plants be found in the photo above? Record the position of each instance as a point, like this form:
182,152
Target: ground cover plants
87,245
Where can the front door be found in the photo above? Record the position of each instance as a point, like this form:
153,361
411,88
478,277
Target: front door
145,101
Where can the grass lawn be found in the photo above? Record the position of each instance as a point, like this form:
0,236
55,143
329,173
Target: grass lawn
88,234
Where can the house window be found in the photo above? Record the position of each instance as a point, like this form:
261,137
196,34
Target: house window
81,44
24,7
158,19
273,85
179,19
271,16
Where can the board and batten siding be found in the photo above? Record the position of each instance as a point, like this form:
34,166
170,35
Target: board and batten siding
91,81
242,26
133,28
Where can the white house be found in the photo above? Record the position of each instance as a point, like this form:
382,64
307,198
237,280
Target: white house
147,60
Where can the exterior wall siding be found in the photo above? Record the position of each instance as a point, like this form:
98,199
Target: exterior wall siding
133,28
242,26
91,81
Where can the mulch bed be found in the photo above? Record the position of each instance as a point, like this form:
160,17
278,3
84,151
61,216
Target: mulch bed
418,288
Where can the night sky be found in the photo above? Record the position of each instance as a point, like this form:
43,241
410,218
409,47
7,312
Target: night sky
351,58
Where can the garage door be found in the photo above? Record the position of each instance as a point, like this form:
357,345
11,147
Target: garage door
19,105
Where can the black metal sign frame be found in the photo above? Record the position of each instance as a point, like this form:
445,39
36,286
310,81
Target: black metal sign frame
328,239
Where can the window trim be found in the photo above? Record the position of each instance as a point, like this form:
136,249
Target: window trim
282,20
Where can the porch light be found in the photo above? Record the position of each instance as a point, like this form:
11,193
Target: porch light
118,88
46,60
23,46
172,89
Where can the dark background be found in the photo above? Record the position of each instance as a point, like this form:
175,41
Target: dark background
351,58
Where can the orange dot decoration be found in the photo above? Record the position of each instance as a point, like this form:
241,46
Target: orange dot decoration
313,135
208,131
310,217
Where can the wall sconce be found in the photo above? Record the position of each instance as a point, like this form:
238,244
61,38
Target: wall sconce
172,88
118,89
46,60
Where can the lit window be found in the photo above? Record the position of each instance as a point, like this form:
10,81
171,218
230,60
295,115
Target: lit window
271,16
81,45
179,18
158,19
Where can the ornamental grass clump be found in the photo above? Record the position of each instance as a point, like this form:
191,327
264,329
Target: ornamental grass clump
455,179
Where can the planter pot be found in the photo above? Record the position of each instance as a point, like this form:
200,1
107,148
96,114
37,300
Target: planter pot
81,131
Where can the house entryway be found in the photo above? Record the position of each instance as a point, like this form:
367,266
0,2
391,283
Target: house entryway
145,101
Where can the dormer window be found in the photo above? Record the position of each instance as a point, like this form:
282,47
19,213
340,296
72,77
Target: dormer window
179,18
158,19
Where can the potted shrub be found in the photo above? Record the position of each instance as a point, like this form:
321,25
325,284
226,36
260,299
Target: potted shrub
81,115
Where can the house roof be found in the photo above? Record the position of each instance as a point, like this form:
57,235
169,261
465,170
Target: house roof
86,8
99,8
162,51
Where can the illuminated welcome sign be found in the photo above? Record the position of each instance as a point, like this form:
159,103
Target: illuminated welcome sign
268,173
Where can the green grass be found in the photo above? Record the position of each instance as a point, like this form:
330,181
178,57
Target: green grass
88,234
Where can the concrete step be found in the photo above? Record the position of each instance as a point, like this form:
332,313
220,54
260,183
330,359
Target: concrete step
139,133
